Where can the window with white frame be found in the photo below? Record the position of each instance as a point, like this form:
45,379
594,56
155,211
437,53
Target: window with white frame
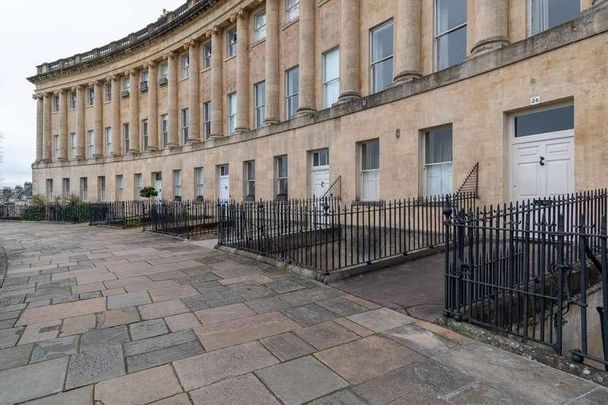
206,52
207,118
73,102
138,181
249,176
292,9
232,112
231,41
120,187
90,144
144,135
260,103
331,77
101,188
108,136
126,137
185,61
177,183
259,25
91,96
126,83
438,161
164,70
65,187
370,170
199,182
56,145
144,77
281,173
450,32
185,124
56,103
49,189
381,57
108,88
546,14
84,188
292,90
164,129
72,145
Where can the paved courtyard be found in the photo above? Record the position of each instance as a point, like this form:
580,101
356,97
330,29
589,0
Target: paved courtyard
125,317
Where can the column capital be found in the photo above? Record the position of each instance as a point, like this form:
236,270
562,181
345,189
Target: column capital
242,12
93,83
38,96
131,72
213,31
172,54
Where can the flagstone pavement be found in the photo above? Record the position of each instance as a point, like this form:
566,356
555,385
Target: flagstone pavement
126,317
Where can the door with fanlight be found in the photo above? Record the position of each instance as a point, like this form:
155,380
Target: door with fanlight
319,173
543,153
223,183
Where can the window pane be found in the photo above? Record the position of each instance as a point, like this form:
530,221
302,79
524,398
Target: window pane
558,119
260,90
382,75
547,14
450,14
438,146
370,152
292,81
451,48
332,65
382,42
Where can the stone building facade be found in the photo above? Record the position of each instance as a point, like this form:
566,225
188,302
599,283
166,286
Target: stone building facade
247,99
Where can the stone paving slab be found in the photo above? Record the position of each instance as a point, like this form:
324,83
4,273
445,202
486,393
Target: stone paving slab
134,317
33,381
244,390
301,380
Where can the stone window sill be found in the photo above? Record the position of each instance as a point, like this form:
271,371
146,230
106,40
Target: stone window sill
257,42
288,23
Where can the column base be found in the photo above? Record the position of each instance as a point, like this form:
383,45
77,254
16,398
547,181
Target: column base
348,96
171,145
237,129
61,159
304,111
216,136
97,156
133,151
193,141
153,149
489,45
406,76
270,121
115,154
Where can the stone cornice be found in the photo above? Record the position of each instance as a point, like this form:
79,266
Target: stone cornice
164,25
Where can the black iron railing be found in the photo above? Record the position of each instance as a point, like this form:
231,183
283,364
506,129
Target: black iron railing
123,214
52,212
188,219
326,236
536,270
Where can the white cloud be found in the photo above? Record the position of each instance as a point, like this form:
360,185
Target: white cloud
42,31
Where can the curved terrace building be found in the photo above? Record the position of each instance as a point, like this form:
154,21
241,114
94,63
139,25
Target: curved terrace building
244,99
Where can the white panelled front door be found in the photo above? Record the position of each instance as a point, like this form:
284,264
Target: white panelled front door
543,165
158,185
320,181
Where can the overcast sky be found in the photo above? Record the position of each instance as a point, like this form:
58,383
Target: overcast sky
33,32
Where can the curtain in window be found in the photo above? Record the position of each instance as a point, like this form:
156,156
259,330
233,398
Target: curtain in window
370,155
540,15
438,162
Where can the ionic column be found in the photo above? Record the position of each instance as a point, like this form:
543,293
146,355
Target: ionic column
194,78
172,100
408,33
39,127
153,118
272,62
47,135
242,71
307,57
116,144
491,26
217,84
134,112
350,43
80,123
98,122
63,126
